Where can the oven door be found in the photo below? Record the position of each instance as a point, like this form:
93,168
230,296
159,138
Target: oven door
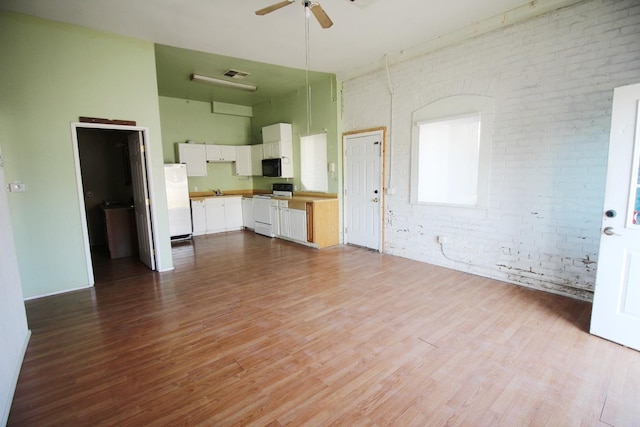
262,216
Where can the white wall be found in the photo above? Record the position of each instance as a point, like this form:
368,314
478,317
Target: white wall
551,79
14,334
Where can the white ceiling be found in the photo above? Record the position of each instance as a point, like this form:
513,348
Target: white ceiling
364,31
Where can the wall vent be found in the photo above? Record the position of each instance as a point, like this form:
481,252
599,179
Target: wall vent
236,74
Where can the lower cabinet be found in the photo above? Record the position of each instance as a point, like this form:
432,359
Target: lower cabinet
322,223
216,214
292,221
233,213
275,217
298,225
313,223
214,209
198,217
248,220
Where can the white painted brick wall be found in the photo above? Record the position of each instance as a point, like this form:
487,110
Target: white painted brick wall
552,80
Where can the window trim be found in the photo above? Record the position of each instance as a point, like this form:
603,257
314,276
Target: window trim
449,108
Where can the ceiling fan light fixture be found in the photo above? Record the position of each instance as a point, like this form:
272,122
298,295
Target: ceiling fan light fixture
321,16
309,6
223,83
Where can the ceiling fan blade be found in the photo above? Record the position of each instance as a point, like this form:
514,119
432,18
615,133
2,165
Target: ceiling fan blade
274,7
321,15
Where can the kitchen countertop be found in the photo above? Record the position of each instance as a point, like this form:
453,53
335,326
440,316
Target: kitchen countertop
299,197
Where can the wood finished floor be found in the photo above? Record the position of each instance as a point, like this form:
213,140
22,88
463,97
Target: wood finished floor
255,331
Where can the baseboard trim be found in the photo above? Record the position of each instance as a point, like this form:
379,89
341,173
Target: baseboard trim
64,291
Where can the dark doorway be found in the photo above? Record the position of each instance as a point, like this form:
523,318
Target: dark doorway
108,200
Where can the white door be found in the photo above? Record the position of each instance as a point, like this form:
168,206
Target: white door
616,302
141,200
363,189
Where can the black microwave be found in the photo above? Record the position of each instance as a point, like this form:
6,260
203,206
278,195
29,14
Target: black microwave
272,167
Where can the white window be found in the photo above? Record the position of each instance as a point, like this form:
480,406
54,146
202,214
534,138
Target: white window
313,163
451,151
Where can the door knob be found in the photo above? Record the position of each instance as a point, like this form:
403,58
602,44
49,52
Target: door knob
376,200
609,231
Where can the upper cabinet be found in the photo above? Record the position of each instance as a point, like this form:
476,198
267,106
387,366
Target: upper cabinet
249,160
277,132
221,153
256,160
243,160
272,150
278,144
194,156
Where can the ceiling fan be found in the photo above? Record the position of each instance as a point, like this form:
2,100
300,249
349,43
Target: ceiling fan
315,8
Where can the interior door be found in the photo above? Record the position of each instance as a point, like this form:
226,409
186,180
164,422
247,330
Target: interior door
141,200
363,190
616,302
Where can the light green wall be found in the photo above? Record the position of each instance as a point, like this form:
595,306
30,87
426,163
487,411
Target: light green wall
292,108
52,73
183,120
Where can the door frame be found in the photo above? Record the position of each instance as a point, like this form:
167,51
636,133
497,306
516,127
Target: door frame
382,132
144,131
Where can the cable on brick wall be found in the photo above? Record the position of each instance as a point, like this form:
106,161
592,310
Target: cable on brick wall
390,132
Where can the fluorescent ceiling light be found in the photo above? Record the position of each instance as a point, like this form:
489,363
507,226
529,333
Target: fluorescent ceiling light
225,83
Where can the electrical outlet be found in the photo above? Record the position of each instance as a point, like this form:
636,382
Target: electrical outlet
17,187
442,239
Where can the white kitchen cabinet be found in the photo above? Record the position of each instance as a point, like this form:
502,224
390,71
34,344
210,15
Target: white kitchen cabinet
256,159
233,213
195,157
243,160
293,222
275,217
298,225
248,220
214,208
277,150
278,144
220,153
277,132
223,214
280,150
198,217
271,150
285,218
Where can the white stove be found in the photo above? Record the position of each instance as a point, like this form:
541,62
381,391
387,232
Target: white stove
262,208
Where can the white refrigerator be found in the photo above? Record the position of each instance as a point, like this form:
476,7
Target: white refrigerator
175,176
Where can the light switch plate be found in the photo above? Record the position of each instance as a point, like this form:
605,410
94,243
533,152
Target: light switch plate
17,187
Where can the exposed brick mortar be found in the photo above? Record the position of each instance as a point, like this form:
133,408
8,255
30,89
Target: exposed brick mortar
552,79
